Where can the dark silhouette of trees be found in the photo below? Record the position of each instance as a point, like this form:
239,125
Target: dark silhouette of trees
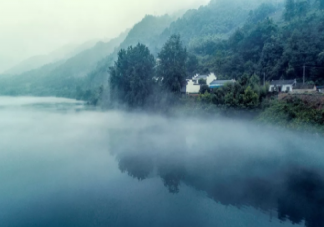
132,75
172,64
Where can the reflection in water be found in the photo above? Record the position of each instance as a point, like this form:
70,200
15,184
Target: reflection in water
269,171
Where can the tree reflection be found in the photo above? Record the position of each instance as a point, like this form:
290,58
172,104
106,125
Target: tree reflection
296,192
136,166
172,173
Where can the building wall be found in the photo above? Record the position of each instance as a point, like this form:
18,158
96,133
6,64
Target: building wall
283,88
211,77
192,88
288,88
270,88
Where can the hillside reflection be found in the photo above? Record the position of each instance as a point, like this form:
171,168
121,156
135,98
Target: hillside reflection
249,171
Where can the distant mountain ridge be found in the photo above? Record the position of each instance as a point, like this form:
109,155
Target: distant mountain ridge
60,54
59,78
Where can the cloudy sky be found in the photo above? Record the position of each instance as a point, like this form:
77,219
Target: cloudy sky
34,27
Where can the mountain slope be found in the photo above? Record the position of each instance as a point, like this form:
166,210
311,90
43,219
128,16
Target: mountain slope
147,31
60,54
59,78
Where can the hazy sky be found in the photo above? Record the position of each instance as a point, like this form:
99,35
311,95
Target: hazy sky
33,27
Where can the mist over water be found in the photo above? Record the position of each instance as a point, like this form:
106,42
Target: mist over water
62,164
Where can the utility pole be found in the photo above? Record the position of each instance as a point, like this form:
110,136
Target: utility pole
304,72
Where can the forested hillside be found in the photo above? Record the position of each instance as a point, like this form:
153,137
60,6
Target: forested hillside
278,50
216,20
147,32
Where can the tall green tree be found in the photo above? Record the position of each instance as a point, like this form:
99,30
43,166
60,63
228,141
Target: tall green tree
131,78
172,64
192,65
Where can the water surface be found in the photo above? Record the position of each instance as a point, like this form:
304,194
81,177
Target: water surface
62,164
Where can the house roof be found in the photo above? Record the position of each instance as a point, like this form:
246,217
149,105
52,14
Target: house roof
221,82
201,77
304,86
282,82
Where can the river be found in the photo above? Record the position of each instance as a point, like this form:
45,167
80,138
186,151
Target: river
63,164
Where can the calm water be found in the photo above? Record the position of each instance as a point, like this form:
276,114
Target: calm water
64,165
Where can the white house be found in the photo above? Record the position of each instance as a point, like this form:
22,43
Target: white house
208,78
282,85
291,86
193,86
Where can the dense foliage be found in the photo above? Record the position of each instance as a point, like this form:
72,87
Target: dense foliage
246,93
172,64
131,78
216,20
294,113
138,81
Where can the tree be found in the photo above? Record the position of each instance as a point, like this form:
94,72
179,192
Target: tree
289,10
202,82
192,65
302,7
321,4
204,88
250,98
261,13
131,78
172,64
